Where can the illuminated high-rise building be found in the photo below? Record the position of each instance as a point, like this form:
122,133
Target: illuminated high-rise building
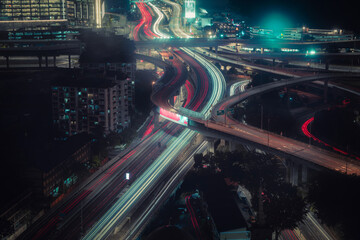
190,11
90,103
74,12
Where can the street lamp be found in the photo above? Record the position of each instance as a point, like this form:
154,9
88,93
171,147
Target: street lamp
268,131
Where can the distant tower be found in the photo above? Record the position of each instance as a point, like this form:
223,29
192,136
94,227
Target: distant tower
190,9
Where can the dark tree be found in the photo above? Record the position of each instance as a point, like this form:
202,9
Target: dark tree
277,202
198,158
6,228
283,207
335,196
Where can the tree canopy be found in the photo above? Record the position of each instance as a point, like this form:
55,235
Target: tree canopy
6,228
335,197
283,208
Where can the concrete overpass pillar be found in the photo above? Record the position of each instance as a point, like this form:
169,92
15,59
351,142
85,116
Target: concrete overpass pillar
69,61
262,50
54,58
211,146
232,146
46,61
216,49
273,62
156,119
222,143
304,174
292,172
295,178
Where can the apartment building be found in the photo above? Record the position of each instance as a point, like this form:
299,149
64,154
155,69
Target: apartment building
91,103
127,69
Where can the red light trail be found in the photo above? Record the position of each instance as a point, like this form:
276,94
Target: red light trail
193,217
307,133
146,21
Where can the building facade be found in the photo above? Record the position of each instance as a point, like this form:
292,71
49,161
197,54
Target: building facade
128,69
57,168
309,34
86,13
88,104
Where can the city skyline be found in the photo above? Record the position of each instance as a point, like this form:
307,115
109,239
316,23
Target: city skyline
197,119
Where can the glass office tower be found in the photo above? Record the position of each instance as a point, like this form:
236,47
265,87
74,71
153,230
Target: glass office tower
32,9
76,12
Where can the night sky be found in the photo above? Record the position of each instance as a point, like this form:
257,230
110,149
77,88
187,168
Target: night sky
312,13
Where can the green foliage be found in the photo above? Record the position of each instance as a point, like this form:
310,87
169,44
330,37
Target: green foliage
6,228
95,161
115,138
335,197
283,207
198,160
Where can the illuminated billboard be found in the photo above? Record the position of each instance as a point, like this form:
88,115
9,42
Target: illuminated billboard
189,8
174,117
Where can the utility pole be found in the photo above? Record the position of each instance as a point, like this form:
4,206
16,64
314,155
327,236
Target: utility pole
268,132
346,161
225,114
261,117
310,135
81,219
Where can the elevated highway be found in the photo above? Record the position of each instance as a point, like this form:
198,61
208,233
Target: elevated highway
217,125
51,47
253,43
284,56
315,155
224,126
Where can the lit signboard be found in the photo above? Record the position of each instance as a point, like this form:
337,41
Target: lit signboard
189,8
174,117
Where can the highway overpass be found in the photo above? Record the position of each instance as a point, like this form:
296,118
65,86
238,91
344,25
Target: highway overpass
64,47
321,157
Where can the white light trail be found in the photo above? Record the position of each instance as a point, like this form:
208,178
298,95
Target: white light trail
158,21
175,20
